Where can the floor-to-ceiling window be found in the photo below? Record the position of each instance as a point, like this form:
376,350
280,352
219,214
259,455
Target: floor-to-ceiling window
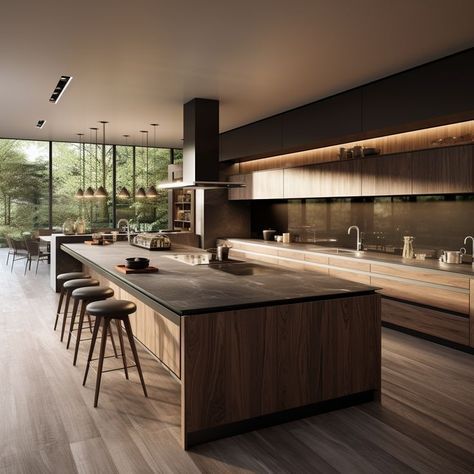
79,170
24,186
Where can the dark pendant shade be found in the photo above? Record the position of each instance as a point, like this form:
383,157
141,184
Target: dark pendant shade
101,193
89,193
151,192
140,194
79,193
123,193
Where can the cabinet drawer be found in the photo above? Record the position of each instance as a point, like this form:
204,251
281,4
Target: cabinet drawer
428,321
315,258
316,268
446,278
352,264
457,301
347,275
291,254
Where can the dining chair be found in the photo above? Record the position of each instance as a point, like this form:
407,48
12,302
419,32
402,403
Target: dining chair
10,248
19,251
34,252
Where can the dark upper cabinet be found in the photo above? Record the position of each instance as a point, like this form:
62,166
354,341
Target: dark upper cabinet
328,121
428,94
258,138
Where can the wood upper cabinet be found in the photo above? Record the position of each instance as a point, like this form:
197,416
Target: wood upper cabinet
387,175
443,170
330,120
267,184
258,138
427,93
302,182
341,179
241,193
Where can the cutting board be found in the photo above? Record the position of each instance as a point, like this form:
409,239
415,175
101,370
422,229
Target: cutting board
128,271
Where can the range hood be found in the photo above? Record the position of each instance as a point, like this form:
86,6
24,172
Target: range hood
201,148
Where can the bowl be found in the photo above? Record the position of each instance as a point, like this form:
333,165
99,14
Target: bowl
137,263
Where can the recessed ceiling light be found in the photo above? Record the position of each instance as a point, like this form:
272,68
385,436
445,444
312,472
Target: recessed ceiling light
60,88
40,123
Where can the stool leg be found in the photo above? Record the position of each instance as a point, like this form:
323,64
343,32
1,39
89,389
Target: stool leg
66,310
91,350
103,342
113,341
61,297
73,319
90,322
122,347
79,330
128,328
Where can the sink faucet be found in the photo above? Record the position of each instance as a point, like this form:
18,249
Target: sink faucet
472,240
359,242
128,227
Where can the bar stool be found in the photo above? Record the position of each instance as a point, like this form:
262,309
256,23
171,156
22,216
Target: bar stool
117,310
69,286
85,296
62,278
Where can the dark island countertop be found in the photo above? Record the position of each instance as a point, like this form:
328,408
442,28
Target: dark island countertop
185,290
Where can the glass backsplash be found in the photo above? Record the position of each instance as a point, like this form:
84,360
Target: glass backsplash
436,222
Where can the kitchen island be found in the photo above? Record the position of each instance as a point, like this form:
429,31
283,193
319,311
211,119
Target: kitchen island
251,344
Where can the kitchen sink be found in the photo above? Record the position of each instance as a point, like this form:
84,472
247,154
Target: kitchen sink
338,251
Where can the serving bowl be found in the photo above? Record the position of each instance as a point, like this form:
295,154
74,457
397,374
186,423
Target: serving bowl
137,263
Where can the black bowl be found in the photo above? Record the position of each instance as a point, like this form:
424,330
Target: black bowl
137,263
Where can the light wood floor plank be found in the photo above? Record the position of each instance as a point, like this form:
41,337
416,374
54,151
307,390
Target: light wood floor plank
48,423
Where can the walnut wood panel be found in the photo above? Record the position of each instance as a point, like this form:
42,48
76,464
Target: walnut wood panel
447,170
341,178
315,258
267,184
350,263
348,275
302,182
456,301
471,313
419,274
387,175
293,264
435,323
242,364
311,267
291,254
241,193
246,254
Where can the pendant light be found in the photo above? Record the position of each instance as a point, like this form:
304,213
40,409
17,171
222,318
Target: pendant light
124,193
101,192
151,191
80,190
141,194
89,192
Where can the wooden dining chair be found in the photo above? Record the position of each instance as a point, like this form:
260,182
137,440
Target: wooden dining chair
19,251
34,252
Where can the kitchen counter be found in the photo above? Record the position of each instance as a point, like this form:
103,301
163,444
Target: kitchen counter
185,289
252,344
368,256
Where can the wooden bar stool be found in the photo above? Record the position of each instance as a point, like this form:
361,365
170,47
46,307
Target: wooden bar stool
62,278
69,286
108,311
85,296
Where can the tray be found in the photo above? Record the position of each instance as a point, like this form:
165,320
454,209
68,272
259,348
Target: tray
151,250
128,271
91,242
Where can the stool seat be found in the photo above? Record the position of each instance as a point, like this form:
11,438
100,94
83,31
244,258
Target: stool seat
80,283
92,292
71,276
115,309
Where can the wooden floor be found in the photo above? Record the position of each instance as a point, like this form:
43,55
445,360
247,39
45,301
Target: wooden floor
47,423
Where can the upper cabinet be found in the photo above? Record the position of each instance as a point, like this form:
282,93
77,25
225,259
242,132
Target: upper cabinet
341,179
425,94
443,171
389,175
253,140
327,121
